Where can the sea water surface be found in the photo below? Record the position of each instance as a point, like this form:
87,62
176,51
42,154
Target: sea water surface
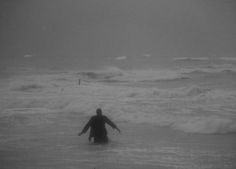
180,117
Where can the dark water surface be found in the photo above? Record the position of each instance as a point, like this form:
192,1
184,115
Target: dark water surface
55,144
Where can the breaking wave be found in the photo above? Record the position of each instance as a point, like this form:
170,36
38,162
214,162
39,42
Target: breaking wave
207,125
228,59
219,71
105,74
134,76
191,59
196,91
29,87
194,108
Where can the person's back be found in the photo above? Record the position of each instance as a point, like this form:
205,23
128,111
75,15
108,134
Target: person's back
97,127
98,130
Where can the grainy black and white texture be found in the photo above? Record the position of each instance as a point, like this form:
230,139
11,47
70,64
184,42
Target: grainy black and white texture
164,71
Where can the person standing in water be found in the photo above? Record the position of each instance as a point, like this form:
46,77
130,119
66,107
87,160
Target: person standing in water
97,127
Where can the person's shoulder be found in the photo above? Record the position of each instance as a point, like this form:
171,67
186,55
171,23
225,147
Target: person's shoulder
93,117
105,117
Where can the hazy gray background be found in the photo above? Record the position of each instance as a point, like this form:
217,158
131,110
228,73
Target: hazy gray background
87,34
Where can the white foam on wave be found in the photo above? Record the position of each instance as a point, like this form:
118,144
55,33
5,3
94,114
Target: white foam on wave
228,58
213,68
150,75
196,91
207,125
191,109
182,119
115,74
191,59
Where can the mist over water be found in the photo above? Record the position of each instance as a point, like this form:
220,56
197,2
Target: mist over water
196,99
163,71
186,110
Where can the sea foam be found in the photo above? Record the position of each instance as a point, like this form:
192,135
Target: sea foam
194,108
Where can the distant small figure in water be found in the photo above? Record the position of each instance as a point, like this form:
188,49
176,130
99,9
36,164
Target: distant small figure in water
79,82
97,128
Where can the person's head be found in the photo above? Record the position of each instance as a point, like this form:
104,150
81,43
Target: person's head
99,111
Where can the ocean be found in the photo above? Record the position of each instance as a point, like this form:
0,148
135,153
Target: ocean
182,116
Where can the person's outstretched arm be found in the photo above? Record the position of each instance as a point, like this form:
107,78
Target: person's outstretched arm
108,121
86,127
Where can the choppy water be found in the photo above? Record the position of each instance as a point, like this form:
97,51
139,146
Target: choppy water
178,117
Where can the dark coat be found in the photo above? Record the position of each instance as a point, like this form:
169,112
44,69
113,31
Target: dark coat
98,129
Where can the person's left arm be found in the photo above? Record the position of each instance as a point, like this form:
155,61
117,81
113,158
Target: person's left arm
113,125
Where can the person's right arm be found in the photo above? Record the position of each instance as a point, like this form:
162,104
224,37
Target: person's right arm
86,127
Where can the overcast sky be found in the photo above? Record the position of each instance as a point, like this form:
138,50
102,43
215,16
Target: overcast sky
94,33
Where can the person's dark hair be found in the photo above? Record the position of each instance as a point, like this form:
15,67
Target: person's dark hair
99,111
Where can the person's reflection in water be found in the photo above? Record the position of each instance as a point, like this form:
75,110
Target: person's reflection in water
97,128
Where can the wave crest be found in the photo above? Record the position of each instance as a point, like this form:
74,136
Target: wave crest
207,125
29,87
